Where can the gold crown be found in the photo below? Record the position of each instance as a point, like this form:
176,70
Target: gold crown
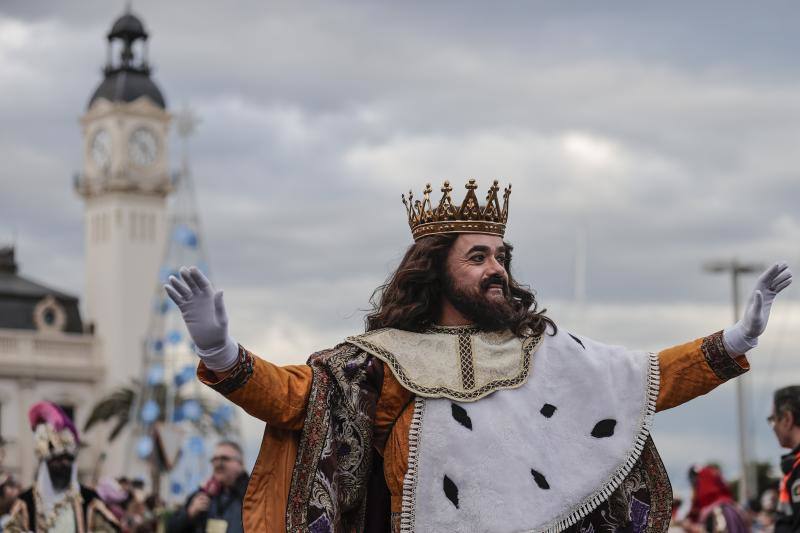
471,217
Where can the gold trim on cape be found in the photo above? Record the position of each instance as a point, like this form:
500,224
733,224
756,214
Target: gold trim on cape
404,358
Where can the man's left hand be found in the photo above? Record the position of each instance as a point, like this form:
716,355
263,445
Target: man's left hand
743,335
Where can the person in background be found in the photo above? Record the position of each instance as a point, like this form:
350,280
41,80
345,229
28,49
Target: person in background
752,512
9,492
56,501
217,506
713,508
785,422
114,495
765,521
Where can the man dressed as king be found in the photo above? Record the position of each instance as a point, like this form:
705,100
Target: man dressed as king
463,407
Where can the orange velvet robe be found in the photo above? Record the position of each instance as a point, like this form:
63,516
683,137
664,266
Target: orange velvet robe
278,395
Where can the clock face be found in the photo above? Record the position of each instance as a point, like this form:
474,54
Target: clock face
143,147
101,148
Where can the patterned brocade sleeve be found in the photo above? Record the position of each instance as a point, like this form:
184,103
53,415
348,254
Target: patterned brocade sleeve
695,368
275,394
233,379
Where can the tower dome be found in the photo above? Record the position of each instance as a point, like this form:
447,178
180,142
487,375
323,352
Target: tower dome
129,77
128,26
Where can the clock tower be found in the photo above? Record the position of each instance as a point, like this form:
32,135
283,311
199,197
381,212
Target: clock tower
124,185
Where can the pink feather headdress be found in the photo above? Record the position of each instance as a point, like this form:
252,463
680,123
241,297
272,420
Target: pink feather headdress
54,432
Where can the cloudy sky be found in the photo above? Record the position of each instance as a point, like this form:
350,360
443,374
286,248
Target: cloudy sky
666,133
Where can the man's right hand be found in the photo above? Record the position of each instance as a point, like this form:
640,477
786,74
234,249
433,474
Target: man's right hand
204,314
199,504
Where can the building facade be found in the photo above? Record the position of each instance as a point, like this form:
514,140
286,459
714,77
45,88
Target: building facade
47,350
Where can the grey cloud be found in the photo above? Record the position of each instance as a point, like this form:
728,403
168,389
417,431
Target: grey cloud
700,101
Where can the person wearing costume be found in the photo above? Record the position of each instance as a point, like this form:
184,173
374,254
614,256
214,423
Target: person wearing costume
785,422
713,507
463,407
57,502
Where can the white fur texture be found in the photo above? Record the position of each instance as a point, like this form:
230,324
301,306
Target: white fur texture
491,463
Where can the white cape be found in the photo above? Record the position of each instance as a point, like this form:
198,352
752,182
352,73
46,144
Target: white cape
537,452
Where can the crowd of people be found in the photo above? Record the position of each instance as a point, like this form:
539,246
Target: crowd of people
713,507
776,509
123,504
57,501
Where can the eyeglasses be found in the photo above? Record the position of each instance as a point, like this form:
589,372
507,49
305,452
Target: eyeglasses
771,419
224,459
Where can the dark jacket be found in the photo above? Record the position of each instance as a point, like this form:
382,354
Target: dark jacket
789,498
227,506
96,515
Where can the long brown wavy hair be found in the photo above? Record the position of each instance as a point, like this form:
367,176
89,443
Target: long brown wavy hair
411,297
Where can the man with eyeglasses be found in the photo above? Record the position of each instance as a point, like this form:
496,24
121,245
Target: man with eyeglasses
217,506
785,422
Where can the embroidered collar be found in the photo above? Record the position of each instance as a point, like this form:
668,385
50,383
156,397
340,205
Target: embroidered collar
460,362
454,330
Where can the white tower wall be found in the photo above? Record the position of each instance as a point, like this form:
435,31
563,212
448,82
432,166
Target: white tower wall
124,238
124,184
125,224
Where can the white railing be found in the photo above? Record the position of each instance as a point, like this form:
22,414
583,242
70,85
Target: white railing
45,355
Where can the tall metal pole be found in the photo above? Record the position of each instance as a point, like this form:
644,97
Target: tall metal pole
741,405
746,481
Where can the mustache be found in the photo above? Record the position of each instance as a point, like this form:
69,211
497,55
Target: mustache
495,279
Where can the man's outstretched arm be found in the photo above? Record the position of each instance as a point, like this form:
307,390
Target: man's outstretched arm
276,395
697,367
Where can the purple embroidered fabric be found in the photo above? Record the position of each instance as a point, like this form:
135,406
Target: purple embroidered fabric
642,503
328,491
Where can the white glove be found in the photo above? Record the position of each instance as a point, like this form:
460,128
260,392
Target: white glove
743,335
204,314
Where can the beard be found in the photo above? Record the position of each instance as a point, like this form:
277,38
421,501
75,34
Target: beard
489,314
60,474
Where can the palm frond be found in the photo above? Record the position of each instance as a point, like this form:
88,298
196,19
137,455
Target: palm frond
116,404
122,421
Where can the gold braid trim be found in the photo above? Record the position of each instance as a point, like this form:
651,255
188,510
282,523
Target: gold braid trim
724,366
239,374
45,522
529,345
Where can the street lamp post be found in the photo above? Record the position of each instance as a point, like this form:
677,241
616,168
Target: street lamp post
735,268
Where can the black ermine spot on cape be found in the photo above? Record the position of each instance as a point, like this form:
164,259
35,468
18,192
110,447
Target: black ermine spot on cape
548,410
450,490
461,416
540,480
576,339
604,428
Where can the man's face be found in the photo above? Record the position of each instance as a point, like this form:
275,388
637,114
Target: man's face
782,422
477,281
227,463
60,470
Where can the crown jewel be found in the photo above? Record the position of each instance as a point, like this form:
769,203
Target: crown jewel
471,217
